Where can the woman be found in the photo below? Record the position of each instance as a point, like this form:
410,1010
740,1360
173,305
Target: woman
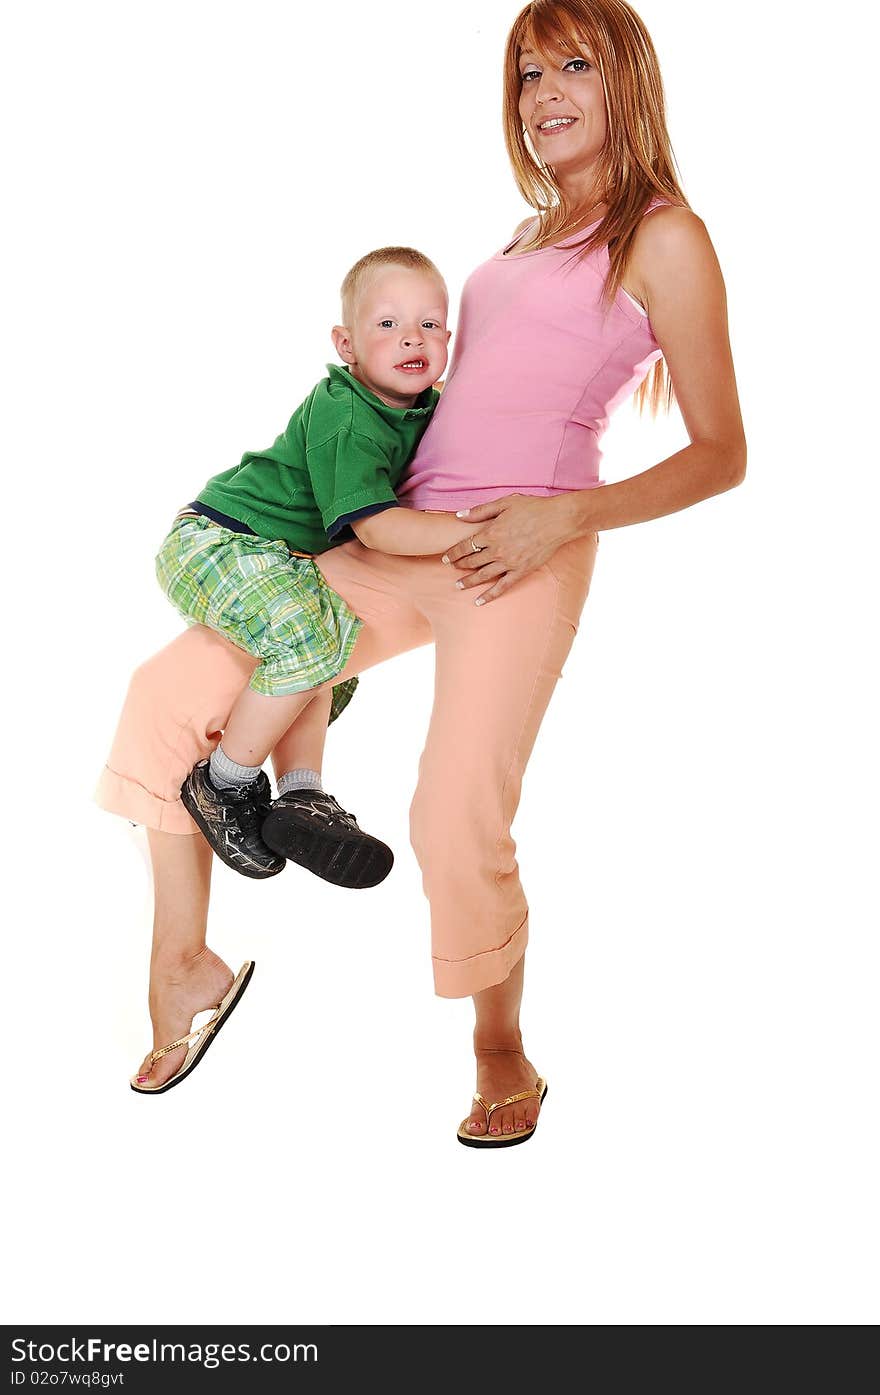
614,278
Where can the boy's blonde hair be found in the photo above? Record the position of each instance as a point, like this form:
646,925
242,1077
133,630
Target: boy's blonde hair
360,273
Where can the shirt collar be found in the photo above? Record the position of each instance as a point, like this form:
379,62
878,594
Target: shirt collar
422,407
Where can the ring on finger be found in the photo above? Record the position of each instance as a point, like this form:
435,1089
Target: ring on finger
475,546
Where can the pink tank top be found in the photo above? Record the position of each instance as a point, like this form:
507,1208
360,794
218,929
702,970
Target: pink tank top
539,365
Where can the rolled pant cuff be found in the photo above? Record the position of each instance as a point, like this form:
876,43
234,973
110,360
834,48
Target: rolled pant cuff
460,978
119,795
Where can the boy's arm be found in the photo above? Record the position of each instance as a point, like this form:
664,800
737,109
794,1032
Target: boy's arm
350,476
409,532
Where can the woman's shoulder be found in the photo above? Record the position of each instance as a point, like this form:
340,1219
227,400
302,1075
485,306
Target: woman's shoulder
521,227
669,229
668,236
671,248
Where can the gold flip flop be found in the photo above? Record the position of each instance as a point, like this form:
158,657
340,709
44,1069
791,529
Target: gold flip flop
505,1140
199,1040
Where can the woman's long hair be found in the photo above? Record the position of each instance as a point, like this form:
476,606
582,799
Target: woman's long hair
636,164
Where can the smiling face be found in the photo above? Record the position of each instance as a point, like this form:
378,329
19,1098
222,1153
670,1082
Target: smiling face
562,107
396,340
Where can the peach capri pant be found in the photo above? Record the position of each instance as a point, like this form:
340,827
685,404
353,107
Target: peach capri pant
496,668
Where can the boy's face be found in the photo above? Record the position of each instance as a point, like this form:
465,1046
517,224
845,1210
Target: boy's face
396,344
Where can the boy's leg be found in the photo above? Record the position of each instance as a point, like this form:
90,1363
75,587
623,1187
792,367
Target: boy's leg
229,795
179,701
302,745
306,824
278,608
257,723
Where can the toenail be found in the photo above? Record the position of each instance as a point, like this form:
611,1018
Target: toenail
142,1078
494,1129
473,1125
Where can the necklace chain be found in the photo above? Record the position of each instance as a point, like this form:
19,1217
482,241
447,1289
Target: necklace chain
573,222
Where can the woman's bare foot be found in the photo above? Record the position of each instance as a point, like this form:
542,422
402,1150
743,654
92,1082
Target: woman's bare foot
504,1071
180,988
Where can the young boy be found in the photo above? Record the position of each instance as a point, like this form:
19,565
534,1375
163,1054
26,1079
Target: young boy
240,559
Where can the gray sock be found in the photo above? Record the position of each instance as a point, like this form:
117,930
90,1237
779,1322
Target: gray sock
226,774
299,780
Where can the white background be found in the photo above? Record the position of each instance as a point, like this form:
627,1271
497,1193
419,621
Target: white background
186,184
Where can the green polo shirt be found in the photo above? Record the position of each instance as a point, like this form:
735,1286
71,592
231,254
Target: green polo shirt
342,456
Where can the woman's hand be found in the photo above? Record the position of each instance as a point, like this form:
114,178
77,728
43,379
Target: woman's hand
516,534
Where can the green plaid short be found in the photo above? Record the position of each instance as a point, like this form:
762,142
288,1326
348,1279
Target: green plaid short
266,600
